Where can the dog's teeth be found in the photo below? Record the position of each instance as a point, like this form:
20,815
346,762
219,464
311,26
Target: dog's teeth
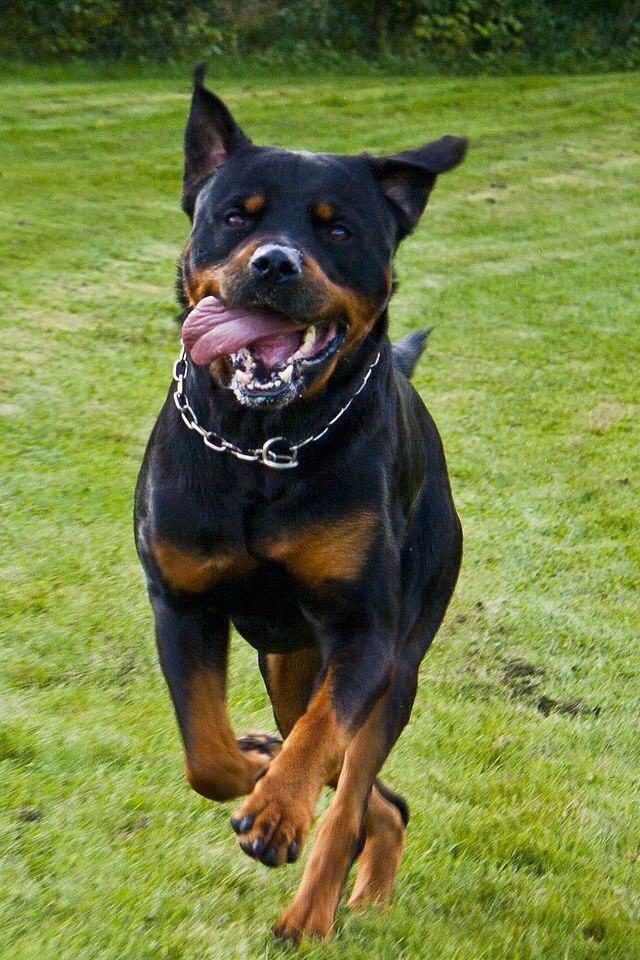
287,373
242,360
308,340
246,359
243,377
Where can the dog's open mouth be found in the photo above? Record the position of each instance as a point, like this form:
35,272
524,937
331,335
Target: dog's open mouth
270,354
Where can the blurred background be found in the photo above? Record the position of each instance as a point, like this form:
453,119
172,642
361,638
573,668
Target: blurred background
449,35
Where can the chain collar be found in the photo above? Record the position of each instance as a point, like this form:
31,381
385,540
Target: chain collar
276,452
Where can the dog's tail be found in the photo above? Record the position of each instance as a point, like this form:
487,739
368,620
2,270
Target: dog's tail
407,352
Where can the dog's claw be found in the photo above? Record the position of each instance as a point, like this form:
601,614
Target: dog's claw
285,936
241,825
292,852
258,846
270,858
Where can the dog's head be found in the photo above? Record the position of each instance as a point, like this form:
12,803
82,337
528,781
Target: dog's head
289,261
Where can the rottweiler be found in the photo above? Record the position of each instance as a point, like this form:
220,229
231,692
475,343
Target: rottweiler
295,486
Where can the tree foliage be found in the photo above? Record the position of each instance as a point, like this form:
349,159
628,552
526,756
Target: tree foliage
443,33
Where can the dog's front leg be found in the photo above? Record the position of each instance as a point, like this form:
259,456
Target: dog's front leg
274,820
192,643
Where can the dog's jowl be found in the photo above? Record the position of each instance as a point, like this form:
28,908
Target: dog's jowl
295,486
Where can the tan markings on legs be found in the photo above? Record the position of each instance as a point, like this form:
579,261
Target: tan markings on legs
281,807
380,857
196,572
290,678
215,765
313,908
326,551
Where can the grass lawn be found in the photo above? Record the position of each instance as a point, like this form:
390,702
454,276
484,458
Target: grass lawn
522,760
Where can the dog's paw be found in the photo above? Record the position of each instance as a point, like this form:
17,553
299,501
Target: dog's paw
304,918
273,822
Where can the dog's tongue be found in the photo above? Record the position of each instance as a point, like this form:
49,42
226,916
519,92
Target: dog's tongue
212,330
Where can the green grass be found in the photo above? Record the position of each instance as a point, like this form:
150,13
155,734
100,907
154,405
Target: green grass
521,761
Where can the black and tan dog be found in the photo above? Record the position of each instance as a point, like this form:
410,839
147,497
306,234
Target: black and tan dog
308,504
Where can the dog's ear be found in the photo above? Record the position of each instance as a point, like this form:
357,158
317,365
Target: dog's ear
406,179
211,135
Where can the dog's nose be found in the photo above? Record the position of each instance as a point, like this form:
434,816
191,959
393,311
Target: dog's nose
271,261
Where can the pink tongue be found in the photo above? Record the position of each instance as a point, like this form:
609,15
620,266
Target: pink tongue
211,330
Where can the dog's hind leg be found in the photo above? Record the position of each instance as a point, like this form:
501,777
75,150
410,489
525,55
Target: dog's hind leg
290,679
387,813
385,825
192,642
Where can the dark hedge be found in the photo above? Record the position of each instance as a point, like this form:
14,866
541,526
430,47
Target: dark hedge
441,34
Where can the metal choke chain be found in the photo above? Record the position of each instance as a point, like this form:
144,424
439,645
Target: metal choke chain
268,453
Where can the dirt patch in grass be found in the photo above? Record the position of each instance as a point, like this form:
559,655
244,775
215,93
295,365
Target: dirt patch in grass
524,680
569,708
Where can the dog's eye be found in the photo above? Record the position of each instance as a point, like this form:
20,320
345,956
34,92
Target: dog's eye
338,231
235,219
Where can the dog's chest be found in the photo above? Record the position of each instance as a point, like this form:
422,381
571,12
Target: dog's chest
313,554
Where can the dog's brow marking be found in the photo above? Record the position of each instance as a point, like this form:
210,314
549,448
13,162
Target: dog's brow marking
336,550
193,572
254,203
324,210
